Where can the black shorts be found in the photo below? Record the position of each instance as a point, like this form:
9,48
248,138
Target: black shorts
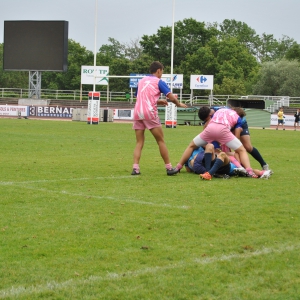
245,129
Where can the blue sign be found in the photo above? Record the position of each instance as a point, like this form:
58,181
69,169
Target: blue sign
133,82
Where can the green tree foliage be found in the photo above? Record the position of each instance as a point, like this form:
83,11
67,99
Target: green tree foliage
226,58
241,31
279,78
293,52
230,86
12,79
189,36
264,47
114,50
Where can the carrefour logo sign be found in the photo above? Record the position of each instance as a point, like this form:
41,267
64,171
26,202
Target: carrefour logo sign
202,82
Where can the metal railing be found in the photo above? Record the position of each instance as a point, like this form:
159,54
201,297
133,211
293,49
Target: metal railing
121,96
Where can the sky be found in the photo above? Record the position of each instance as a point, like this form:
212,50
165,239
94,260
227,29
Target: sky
129,20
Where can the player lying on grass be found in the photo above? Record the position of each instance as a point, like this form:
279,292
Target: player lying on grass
219,129
219,165
243,134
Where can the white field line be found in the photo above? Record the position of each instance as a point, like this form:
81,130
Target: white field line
16,291
63,179
24,184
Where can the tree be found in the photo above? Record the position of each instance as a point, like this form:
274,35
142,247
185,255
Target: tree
279,78
293,52
264,47
230,86
269,49
189,36
133,49
241,31
114,50
226,58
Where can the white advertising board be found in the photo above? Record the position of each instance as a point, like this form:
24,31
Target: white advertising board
87,75
10,110
202,82
288,120
177,80
123,114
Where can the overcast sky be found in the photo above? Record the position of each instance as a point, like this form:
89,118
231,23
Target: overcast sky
126,20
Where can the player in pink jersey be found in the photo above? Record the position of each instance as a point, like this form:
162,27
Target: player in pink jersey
145,115
218,129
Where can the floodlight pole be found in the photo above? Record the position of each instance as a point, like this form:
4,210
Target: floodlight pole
172,47
95,43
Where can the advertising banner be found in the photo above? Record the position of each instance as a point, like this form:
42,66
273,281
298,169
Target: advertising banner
202,82
87,75
134,80
123,114
171,115
50,111
14,111
177,80
93,108
288,120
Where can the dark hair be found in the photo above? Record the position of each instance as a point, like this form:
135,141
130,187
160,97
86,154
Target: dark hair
156,65
203,113
240,111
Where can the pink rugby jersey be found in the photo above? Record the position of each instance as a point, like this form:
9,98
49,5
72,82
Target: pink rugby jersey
227,117
149,90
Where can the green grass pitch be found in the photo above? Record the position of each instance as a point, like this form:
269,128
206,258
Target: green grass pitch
74,224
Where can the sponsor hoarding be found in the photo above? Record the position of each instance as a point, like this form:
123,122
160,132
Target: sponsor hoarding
202,82
14,111
87,75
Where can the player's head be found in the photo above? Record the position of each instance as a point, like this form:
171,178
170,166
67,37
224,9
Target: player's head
156,65
240,111
204,113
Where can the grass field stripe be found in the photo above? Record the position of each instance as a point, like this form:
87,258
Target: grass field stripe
123,199
73,283
63,179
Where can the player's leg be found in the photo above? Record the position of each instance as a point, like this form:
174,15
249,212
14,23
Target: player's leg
140,140
194,144
221,166
158,134
209,155
237,146
246,141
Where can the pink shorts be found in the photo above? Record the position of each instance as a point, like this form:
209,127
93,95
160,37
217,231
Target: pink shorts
220,133
146,124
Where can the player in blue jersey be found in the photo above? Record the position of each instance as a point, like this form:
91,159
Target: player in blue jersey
220,165
244,135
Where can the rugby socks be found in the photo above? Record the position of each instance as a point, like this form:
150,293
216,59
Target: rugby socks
207,159
250,171
256,155
168,166
136,167
234,161
179,166
218,163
